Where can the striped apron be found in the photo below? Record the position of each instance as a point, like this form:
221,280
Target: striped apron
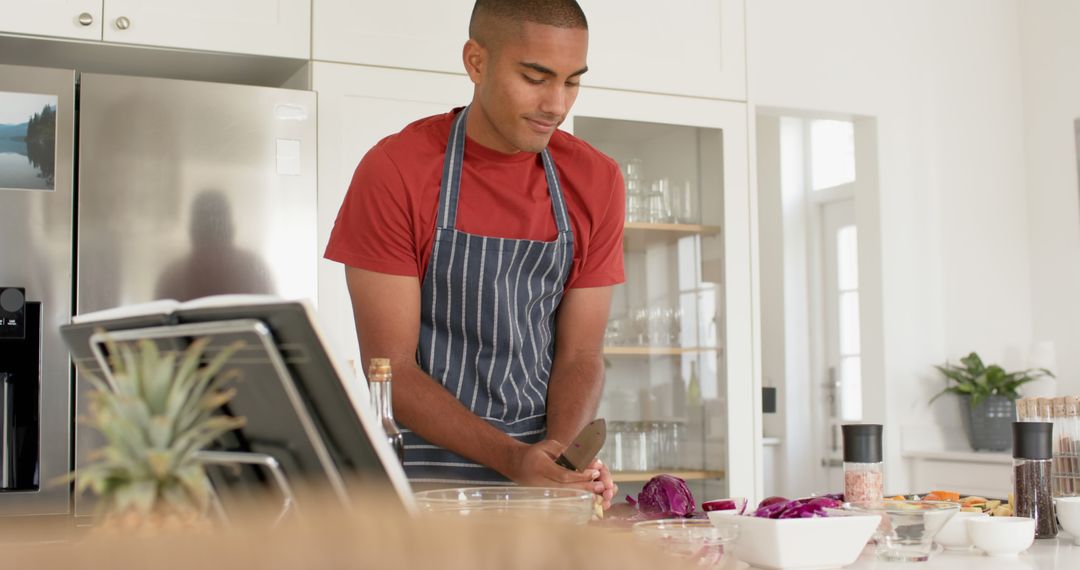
486,323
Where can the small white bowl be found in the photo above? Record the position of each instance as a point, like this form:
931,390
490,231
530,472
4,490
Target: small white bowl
1001,537
1068,513
954,535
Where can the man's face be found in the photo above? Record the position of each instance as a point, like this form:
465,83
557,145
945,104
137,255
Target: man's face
527,84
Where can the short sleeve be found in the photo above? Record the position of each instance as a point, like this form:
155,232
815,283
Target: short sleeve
374,227
603,264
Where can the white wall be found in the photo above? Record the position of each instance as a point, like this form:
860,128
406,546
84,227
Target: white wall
1051,57
943,81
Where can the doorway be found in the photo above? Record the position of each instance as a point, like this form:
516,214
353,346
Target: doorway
817,206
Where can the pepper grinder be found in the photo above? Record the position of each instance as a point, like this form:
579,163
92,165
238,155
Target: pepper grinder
1032,473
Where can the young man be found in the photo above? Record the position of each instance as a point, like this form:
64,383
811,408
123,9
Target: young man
481,247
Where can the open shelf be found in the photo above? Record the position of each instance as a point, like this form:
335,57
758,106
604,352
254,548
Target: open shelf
640,235
656,350
635,476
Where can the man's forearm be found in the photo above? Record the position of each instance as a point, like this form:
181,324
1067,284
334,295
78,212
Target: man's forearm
424,406
574,390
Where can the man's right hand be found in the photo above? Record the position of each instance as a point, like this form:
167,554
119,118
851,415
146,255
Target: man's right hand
535,466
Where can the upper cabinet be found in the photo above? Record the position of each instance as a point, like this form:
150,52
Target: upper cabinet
279,28
682,47
411,34
79,19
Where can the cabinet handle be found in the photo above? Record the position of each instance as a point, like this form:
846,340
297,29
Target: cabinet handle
86,18
122,23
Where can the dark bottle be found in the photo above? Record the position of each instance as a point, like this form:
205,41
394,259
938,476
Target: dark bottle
1032,497
379,377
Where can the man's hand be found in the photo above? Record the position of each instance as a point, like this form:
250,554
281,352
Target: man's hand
537,467
609,486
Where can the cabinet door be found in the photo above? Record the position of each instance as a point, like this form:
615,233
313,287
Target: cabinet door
681,376
279,28
413,34
685,47
80,19
358,106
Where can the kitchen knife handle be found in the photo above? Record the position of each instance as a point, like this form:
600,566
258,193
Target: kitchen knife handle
564,462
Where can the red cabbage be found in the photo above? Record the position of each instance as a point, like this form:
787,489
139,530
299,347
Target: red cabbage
665,495
735,504
776,508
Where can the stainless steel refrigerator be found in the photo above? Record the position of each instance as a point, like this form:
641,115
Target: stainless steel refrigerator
182,190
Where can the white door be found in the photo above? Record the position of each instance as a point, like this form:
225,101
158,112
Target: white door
840,397
80,19
279,28
358,106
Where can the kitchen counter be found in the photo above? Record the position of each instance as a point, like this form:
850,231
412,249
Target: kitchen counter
1043,555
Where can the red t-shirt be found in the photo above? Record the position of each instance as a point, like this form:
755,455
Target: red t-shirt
387,221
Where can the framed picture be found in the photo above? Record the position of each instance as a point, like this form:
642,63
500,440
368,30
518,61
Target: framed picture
27,141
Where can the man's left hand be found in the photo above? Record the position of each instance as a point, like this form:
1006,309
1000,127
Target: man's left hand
610,488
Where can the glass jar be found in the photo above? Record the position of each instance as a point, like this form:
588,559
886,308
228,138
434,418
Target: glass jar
1032,470
863,480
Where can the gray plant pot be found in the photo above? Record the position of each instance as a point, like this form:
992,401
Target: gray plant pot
989,425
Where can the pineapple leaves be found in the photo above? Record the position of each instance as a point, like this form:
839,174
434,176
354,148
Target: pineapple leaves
979,381
162,407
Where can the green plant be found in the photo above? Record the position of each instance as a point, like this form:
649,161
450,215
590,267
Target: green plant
158,411
979,381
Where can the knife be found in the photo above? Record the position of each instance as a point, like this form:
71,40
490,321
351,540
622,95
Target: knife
585,446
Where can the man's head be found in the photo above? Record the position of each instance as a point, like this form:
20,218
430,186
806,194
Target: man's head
525,58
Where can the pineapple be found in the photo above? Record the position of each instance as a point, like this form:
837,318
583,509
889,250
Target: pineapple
157,414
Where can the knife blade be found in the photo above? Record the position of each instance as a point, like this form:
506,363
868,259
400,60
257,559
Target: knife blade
585,446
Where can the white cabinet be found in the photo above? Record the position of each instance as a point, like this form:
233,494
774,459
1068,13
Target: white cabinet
358,106
685,47
680,344
279,28
413,34
79,19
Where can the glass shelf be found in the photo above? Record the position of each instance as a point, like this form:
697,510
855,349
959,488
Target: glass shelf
638,236
656,350
642,476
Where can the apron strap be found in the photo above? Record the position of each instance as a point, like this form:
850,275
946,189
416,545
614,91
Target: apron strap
450,186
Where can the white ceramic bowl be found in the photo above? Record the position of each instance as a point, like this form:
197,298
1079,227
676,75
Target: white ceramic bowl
1001,537
1068,513
829,542
954,535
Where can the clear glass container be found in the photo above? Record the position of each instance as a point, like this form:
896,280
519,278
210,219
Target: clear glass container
863,482
1032,496
379,377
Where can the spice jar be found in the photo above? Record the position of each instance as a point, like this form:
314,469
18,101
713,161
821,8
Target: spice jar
862,463
1032,471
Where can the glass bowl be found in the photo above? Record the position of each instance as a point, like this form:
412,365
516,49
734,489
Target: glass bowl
698,541
569,506
907,529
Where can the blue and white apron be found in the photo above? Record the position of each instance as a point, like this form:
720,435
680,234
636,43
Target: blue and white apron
487,320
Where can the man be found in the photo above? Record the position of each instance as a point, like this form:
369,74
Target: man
481,249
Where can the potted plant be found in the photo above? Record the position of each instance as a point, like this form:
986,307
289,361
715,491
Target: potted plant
159,409
988,395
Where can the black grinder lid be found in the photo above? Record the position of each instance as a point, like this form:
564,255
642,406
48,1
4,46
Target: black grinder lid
862,443
1033,440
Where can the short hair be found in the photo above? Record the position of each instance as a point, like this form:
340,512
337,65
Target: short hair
488,14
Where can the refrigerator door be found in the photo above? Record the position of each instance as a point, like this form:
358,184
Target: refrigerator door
35,259
189,189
